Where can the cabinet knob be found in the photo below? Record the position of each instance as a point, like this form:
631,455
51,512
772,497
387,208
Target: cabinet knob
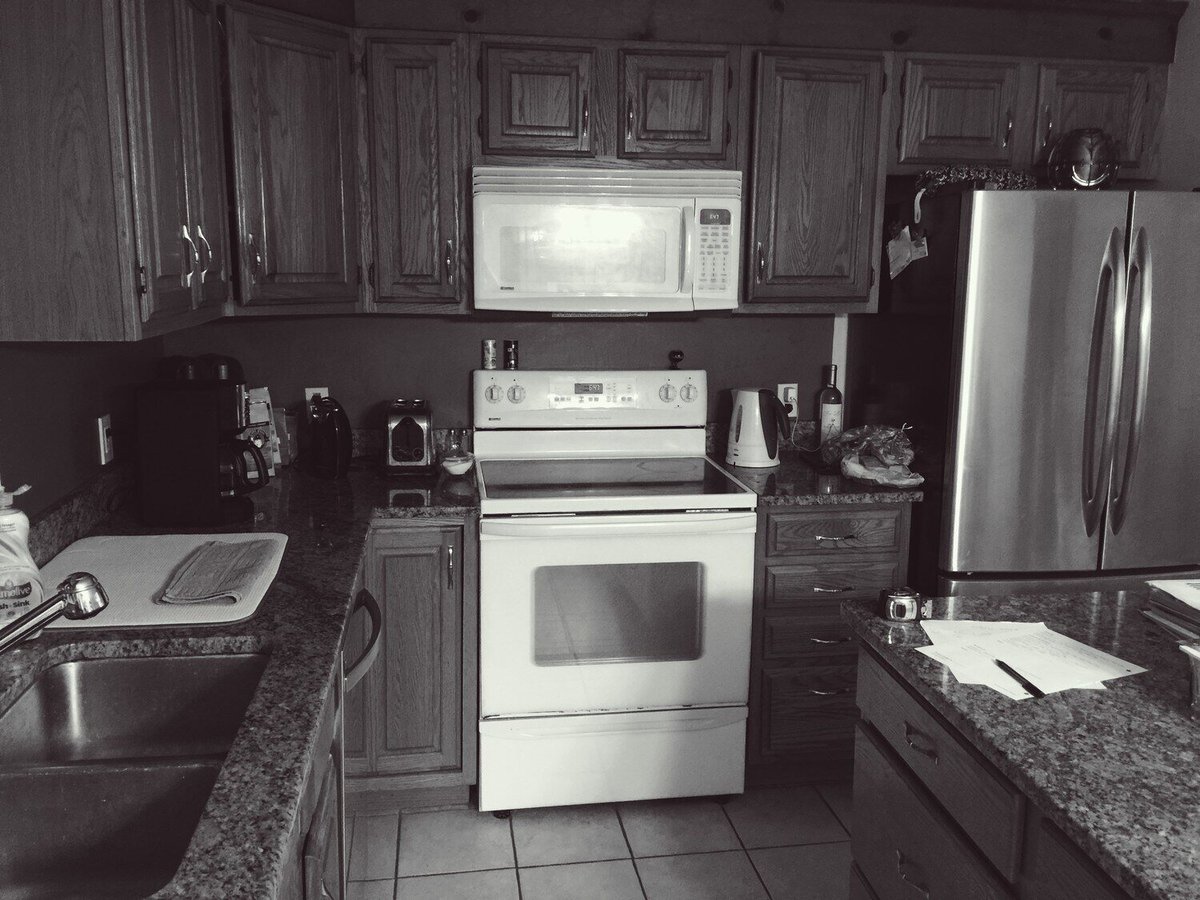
1008,130
449,262
1049,128
185,277
208,254
761,265
255,257
629,118
586,116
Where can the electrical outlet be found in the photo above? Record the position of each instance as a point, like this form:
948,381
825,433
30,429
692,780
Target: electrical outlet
310,393
104,438
789,394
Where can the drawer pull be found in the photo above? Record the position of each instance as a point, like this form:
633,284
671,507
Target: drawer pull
909,731
835,538
817,693
901,863
841,589
829,640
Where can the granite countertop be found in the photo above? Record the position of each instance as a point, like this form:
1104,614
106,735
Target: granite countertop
238,847
1117,770
797,482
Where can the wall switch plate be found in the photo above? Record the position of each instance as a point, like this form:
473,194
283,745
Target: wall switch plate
310,393
789,394
104,438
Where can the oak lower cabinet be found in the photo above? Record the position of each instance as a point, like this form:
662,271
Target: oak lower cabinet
291,100
114,224
817,184
411,722
416,155
803,659
932,817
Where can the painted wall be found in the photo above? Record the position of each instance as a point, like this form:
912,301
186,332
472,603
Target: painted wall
367,360
51,396
1181,133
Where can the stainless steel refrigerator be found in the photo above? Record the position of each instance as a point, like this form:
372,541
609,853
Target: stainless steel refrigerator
1073,451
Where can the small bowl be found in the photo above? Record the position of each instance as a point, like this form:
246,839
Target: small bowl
458,465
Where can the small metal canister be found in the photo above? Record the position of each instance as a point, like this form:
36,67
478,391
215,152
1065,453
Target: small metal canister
490,357
902,604
510,354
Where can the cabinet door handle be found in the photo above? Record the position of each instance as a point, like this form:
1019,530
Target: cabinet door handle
829,640
450,565
364,600
837,538
629,118
208,254
585,115
901,864
817,693
1049,128
909,731
1008,130
255,257
449,262
185,278
821,589
761,265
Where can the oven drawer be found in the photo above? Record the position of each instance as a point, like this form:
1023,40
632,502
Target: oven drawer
989,809
860,577
903,843
826,530
809,710
815,628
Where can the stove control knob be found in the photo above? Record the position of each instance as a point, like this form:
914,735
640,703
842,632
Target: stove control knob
666,393
494,393
516,393
688,393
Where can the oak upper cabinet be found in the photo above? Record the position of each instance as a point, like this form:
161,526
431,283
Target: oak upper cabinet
415,160
1125,101
678,105
114,219
538,100
608,101
817,183
410,723
292,108
962,109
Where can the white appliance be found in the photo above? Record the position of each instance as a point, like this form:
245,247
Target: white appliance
616,574
606,241
758,421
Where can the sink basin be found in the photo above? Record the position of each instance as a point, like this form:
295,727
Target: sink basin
104,709
98,830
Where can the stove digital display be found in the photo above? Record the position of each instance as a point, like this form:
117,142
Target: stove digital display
589,387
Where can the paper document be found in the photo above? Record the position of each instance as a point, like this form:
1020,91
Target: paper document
1184,589
1050,661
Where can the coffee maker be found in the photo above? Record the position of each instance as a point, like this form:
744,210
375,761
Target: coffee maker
193,466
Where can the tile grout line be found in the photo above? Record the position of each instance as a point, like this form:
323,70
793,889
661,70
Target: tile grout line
512,839
637,873
741,843
817,788
396,865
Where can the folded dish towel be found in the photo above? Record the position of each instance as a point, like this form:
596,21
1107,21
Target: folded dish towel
218,572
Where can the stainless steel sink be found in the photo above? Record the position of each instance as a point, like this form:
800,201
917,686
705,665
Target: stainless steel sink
105,768
107,830
130,708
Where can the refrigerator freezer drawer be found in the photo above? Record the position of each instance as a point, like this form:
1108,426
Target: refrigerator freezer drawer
567,760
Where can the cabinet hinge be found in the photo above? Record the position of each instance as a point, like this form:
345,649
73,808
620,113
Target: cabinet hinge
872,284
143,287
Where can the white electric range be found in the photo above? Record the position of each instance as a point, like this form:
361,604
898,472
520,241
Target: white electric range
616,574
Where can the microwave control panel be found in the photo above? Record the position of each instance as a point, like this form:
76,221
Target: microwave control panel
505,398
717,257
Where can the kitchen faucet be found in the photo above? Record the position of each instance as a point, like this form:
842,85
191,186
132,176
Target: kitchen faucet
79,596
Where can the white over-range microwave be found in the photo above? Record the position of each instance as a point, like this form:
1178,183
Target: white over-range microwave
606,241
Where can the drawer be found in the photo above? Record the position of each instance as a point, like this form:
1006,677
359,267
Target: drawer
1061,871
809,710
833,530
980,799
824,578
814,628
904,845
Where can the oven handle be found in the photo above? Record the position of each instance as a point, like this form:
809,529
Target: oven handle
617,526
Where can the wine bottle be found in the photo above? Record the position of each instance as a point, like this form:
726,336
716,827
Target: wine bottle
829,407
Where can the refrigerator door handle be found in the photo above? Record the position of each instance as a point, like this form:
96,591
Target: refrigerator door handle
1140,310
1108,330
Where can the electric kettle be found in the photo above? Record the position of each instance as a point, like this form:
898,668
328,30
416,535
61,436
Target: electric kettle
756,422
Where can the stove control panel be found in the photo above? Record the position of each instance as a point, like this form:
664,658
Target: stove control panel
545,398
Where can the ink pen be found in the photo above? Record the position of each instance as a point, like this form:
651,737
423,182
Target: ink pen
1020,679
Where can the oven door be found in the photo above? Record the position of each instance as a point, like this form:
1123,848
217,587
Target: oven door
582,614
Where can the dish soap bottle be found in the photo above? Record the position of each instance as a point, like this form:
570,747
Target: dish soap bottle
20,583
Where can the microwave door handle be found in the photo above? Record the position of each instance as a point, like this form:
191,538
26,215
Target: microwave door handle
689,250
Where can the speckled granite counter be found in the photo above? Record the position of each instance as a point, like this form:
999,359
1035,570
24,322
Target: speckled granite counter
795,482
1117,770
237,849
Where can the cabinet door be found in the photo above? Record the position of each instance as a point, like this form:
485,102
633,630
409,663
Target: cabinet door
676,105
1124,101
414,166
414,692
539,100
959,110
817,180
291,107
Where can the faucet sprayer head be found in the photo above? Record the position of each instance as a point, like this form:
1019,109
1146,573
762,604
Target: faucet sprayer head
82,595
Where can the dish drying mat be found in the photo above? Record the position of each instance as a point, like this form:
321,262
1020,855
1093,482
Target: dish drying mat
135,571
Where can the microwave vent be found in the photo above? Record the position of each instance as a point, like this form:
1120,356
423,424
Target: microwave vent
529,180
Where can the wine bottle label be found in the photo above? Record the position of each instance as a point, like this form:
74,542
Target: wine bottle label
831,421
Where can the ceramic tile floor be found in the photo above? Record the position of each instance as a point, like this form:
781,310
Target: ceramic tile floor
768,844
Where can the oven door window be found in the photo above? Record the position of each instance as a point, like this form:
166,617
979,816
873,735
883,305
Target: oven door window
617,613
